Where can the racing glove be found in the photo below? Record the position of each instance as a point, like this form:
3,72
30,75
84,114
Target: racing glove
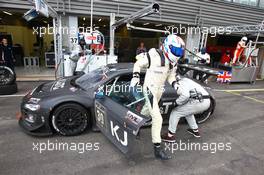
175,104
135,80
175,85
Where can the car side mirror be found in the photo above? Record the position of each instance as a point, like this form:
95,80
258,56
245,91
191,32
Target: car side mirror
99,95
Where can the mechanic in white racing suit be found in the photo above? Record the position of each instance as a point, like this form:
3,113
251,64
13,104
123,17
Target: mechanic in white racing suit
202,57
161,66
193,99
82,56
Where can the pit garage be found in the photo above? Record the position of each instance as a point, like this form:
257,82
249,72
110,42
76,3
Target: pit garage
77,111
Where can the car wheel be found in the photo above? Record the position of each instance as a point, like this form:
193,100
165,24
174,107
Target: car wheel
7,76
8,89
70,119
203,117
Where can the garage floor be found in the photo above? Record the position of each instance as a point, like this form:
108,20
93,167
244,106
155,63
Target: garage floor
238,120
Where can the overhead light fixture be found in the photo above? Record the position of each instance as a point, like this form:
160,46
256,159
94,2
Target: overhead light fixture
31,14
145,24
45,22
84,18
157,25
100,19
104,25
7,13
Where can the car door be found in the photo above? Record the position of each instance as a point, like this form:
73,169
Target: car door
117,122
167,99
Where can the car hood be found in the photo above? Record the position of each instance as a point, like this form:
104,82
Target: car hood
62,84
55,85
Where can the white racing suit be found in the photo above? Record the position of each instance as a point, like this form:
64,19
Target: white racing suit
82,61
159,69
202,58
187,105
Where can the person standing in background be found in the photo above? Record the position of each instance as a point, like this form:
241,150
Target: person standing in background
6,53
203,57
226,58
141,48
241,45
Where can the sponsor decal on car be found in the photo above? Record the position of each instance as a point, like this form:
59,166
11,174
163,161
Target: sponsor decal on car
135,119
115,131
58,84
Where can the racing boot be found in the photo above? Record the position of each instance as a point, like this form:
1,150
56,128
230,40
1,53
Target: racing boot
160,153
194,132
168,137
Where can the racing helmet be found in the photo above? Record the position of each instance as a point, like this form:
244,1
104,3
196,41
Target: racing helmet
173,48
244,38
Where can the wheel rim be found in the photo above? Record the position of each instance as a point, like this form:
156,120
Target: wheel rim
70,121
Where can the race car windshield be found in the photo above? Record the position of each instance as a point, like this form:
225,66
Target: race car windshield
89,80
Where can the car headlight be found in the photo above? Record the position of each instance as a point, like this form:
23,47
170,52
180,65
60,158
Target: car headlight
34,100
32,107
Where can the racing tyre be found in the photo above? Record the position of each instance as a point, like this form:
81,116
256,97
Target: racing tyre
8,89
203,117
70,119
7,76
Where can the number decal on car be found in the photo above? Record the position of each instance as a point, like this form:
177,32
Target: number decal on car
100,115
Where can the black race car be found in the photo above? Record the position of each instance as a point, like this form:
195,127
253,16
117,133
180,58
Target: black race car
101,98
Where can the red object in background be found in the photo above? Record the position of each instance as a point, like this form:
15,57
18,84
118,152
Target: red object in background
97,47
91,37
223,49
225,59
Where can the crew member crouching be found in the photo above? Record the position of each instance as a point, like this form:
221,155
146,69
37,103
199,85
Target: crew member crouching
193,99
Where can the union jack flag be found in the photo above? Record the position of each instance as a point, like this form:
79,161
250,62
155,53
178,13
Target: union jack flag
224,76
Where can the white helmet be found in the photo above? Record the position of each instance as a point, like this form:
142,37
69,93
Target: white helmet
173,48
244,38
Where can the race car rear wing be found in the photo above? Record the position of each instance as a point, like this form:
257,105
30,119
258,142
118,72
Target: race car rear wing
183,69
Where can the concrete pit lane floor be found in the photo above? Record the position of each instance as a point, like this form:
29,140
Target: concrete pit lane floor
231,143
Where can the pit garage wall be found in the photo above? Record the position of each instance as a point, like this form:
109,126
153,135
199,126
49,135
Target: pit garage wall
188,12
211,13
20,35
